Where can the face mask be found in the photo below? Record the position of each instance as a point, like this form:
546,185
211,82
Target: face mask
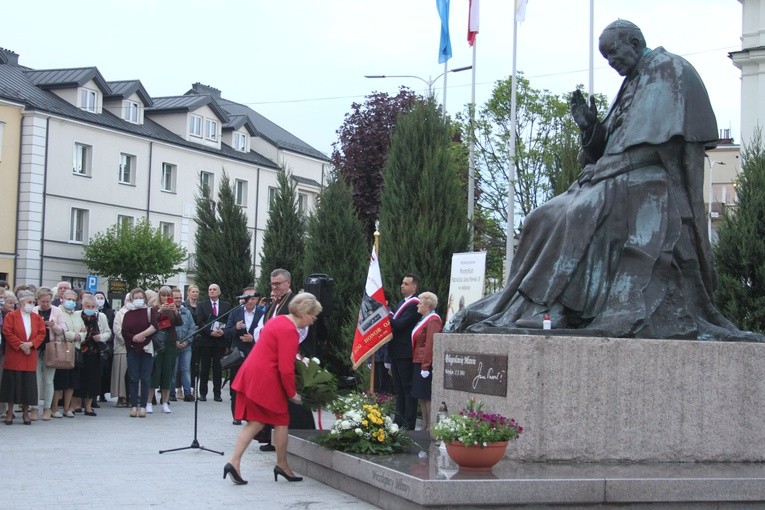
138,303
70,305
28,307
2,302
130,306
90,313
100,303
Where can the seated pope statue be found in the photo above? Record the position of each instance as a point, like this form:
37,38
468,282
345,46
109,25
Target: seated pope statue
624,252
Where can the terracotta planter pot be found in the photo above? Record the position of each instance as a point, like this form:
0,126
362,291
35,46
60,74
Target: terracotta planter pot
476,458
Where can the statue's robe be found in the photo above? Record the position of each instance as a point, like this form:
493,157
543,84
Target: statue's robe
625,253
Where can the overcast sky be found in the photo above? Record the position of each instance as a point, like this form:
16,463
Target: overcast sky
301,63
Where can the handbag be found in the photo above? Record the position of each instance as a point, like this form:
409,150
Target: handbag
104,350
232,359
158,340
59,355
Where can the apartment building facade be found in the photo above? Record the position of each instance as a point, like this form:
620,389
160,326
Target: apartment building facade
92,153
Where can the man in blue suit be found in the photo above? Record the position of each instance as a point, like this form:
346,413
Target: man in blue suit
403,320
239,332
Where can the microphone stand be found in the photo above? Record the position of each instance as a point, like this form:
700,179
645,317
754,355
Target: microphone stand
195,442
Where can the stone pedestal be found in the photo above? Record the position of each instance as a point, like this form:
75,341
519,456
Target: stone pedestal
606,400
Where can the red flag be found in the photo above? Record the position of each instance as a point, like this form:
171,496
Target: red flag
472,22
373,329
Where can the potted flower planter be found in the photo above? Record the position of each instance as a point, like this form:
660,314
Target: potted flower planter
476,458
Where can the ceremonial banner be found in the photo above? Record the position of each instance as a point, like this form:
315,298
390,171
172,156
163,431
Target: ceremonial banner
472,21
373,329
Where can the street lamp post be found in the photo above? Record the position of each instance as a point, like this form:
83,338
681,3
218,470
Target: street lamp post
429,82
712,163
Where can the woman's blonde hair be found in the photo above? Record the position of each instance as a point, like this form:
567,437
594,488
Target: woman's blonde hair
304,304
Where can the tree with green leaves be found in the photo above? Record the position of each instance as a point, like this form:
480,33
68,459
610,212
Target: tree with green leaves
740,248
336,246
362,149
223,242
284,238
139,254
423,218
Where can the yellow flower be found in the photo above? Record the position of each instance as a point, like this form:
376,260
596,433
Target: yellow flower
364,422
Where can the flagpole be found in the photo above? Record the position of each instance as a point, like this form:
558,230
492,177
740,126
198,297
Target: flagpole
511,175
471,157
592,47
372,370
446,74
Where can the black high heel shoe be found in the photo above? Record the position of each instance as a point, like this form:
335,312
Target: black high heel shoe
279,471
228,469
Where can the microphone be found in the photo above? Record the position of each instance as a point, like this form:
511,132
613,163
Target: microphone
247,296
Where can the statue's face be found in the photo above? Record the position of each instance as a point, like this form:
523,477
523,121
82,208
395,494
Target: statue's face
622,53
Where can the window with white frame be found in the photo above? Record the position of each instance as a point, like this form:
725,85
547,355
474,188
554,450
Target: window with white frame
211,129
127,169
168,177
125,221
271,196
88,100
131,111
207,181
240,141
302,204
78,225
240,192
81,159
167,229
195,125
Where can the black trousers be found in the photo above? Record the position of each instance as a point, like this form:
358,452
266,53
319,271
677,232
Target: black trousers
406,405
210,356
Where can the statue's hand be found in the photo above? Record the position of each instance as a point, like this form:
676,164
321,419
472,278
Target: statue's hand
584,116
586,174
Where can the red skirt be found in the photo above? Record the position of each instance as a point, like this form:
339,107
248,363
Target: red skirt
247,410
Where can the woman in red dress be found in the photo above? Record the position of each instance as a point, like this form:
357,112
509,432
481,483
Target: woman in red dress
266,381
24,332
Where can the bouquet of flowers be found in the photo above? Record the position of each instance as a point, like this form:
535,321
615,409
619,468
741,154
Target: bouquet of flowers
384,402
473,427
316,385
363,428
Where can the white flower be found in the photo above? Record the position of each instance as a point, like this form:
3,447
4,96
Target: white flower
345,425
394,428
358,431
316,360
334,432
306,361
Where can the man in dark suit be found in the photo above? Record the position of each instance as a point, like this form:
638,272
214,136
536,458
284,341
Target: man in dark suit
212,342
403,321
300,418
239,331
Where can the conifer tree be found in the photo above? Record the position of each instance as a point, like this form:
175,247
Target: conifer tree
223,242
284,238
740,248
423,219
336,246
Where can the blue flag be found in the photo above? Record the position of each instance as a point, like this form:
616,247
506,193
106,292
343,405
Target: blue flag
445,47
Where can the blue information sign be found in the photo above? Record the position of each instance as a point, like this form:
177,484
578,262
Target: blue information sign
91,284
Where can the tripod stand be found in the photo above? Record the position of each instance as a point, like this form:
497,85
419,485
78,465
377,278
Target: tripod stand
195,442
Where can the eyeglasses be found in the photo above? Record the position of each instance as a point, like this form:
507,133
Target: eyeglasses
276,284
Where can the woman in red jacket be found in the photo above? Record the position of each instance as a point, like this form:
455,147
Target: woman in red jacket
23,332
422,353
266,381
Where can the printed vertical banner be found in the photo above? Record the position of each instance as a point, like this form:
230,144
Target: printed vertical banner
467,281
373,329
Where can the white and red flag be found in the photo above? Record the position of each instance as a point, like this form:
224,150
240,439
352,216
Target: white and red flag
472,22
373,329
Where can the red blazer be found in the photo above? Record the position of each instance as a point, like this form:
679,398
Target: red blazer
267,376
422,341
13,334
